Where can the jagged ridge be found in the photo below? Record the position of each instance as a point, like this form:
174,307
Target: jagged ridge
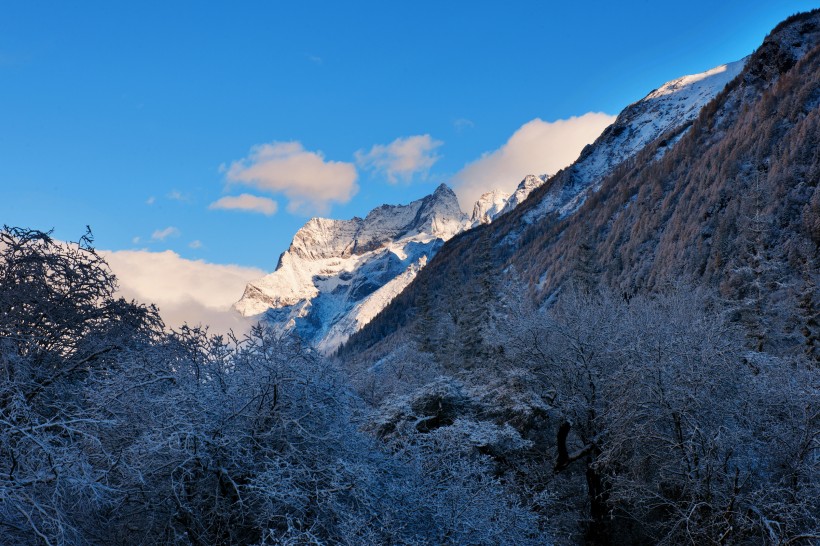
337,274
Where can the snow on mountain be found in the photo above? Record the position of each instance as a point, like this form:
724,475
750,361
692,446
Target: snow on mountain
494,203
364,311
674,105
338,274
488,206
524,189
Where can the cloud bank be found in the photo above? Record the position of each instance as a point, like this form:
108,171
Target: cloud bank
402,158
309,182
191,291
537,147
246,202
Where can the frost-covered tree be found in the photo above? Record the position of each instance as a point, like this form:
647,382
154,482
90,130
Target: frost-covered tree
59,325
677,433
117,431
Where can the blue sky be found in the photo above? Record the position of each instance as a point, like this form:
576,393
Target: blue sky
137,118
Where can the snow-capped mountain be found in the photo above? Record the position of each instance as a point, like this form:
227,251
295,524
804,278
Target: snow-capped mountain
338,274
672,106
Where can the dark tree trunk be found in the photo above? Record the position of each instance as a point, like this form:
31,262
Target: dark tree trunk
599,531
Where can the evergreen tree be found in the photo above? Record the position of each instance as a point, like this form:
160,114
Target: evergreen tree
759,272
807,308
586,273
425,325
475,318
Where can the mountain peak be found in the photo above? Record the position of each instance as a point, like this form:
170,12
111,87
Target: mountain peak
488,206
494,203
337,274
443,189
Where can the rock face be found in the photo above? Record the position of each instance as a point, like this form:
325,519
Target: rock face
338,274
488,206
494,203
524,189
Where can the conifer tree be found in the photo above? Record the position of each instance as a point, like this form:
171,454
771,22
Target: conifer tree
475,318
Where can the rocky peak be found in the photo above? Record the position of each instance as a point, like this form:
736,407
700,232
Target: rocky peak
440,214
524,189
783,47
337,274
323,237
494,203
437,214
488,206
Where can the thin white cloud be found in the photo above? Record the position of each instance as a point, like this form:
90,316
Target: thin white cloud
195,244
309,182
402,158
176,195
463,123
192,291
151,200
537,147
162,234
246,202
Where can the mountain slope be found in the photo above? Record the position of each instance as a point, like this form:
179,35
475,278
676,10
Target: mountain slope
721,199
672,106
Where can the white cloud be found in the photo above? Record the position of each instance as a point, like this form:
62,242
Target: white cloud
151,200
309,181
537,147
162,234
176,195
195,244
246,202
192,291
402,158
